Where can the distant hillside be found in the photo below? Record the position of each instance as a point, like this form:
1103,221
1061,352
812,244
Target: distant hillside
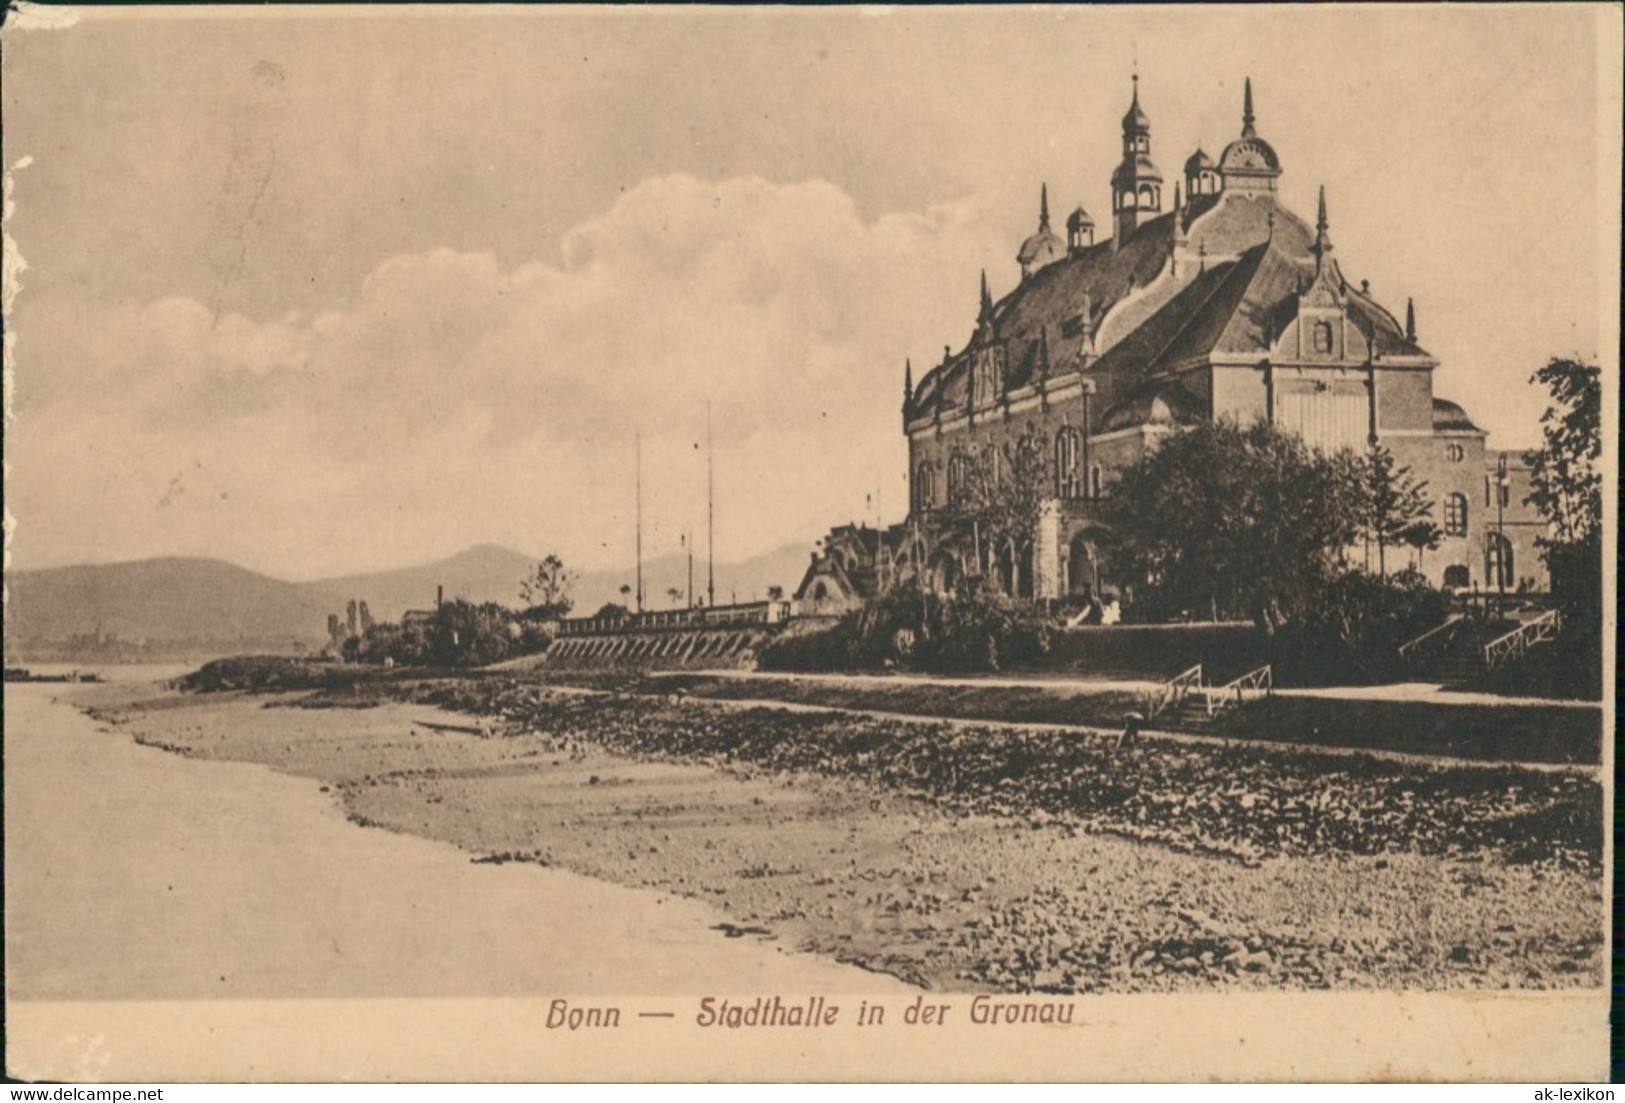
217,605
485,572
162,599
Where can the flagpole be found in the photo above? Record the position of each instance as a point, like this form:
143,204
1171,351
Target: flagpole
710,517
638,446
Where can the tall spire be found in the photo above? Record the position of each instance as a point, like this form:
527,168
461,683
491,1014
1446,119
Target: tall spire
1410,319
1323,240
908,381
1247,130
1043,207
986,313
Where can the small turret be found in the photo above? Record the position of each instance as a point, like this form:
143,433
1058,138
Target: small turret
985,314
1201,175
1080,230
1410,320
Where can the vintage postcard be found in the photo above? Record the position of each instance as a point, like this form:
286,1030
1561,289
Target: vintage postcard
855,543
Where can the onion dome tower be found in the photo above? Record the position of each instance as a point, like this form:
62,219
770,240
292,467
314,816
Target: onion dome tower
1136,182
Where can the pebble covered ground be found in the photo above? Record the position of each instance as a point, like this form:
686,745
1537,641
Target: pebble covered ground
970,858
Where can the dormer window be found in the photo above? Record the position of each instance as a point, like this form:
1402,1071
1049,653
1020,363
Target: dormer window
1321,338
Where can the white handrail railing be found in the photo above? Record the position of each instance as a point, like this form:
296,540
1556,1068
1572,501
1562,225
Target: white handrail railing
1517,642
1260,681
1174,690
1431,638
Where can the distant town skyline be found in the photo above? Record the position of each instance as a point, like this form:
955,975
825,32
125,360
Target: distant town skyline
320,292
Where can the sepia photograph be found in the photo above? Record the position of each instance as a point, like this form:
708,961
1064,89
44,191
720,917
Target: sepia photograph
580,543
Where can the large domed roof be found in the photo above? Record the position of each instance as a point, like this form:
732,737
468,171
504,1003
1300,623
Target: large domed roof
1250,154
1038,245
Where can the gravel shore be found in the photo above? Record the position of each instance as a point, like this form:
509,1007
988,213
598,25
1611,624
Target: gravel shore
965,858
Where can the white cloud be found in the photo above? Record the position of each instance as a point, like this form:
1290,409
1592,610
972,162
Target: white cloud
455,399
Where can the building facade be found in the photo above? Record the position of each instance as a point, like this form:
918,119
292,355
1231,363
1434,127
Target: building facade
1214,302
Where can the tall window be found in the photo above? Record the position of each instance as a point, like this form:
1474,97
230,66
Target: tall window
1455,515
925,490
1497,560
1068,476
956,478
1094,481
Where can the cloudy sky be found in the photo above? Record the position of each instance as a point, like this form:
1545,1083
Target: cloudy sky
319,293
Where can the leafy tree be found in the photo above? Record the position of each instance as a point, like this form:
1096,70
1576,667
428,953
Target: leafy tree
1566,486
1396,506
612,609
1566,475
775,593
676,596
1238,520
546,593
465,634
1001,494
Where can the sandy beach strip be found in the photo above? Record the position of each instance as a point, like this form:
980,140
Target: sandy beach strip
898,883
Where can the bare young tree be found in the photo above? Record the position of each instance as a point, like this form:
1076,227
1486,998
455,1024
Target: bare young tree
546,592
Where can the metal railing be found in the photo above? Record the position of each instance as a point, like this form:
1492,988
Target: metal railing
1260,683
1431,642
720,616
1173,691
1516,643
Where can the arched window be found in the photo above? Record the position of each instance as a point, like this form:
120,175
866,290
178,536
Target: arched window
1148,195
925,491
1455,515
1068,477
1456,575
1497,560
1454,452
956,478
1094,480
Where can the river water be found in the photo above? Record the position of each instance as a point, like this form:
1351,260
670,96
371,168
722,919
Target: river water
136,874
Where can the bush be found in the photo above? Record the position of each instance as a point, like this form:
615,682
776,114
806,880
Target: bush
264,673
1353,632
972,630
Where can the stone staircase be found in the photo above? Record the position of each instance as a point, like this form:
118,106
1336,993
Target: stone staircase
1188,705
1474,649
1190,714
